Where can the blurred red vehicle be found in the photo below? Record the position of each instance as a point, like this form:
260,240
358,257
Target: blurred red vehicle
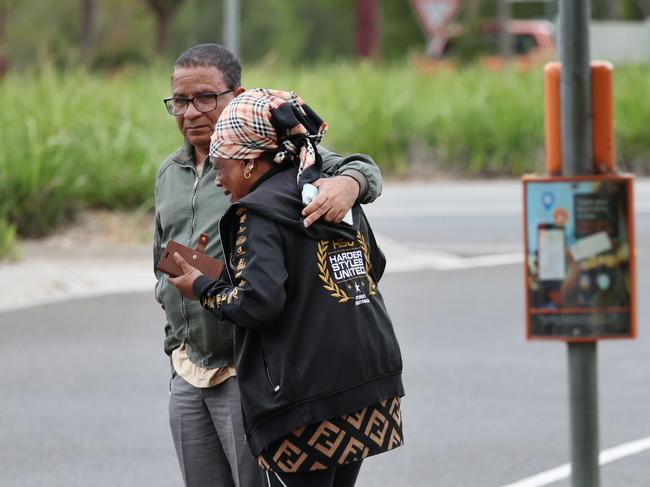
532,42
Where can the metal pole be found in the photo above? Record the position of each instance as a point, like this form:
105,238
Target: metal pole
575,96
231,21
575,87
583,400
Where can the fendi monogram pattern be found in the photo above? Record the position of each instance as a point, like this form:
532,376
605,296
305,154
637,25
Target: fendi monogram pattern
337,441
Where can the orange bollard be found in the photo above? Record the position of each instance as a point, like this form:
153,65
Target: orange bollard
602,103
552,119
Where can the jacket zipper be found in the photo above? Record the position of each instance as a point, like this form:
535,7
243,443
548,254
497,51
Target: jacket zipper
268,374
193,222
275,387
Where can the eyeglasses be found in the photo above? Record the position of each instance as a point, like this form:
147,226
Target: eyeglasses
205,102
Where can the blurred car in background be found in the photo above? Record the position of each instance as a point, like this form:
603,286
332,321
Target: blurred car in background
531,42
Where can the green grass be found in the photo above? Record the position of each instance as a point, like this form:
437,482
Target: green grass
76,139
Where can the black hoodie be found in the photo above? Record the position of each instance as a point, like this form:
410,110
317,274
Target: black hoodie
314,339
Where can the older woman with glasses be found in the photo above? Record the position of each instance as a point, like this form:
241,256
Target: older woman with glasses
318,362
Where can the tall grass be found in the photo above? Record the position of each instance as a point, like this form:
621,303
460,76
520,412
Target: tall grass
473,122
78,139
632,117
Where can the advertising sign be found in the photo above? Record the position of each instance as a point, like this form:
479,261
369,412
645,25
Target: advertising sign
579,240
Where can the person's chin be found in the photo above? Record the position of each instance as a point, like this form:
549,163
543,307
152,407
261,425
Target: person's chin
198,136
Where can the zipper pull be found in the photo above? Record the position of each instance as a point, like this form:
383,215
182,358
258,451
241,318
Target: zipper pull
196,183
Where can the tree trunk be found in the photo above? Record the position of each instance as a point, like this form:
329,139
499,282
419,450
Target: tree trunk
367,20
4,62
163,30
164,11
472,9
88,19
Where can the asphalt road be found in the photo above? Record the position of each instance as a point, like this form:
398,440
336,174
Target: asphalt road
83,400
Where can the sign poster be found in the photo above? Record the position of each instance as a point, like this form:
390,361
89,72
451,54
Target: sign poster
579,257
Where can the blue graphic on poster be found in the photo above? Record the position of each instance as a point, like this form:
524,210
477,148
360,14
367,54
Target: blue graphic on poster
578,258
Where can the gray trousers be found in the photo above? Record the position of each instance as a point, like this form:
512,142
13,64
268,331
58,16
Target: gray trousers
208,434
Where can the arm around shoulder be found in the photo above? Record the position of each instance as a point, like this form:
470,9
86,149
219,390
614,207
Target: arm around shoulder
361,167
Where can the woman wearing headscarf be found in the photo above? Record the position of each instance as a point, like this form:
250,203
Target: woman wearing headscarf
318,362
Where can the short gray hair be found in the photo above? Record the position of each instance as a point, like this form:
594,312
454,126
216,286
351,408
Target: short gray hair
214,56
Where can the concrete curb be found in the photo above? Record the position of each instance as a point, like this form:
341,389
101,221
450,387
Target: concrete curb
49,274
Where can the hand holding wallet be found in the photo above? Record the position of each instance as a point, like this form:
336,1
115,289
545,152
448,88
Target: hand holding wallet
197,258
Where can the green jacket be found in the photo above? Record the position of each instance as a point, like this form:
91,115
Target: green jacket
189,204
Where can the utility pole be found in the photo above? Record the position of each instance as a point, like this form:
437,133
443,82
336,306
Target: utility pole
231,24
576,121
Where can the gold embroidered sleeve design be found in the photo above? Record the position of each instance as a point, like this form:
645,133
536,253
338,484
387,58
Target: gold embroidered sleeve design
231,294
240,250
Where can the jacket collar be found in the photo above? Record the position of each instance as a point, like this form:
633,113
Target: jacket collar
185,155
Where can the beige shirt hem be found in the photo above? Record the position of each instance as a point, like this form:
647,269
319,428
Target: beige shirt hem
196,375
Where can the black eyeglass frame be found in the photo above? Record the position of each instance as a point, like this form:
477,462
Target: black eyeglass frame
188,100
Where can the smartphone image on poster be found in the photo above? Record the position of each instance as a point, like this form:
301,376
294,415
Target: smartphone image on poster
551,252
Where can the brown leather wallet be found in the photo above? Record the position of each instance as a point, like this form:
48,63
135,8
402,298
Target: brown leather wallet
197,258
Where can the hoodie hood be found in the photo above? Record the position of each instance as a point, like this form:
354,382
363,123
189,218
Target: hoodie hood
278,199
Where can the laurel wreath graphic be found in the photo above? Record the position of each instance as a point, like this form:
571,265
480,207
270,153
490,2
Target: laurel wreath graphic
362,243
324,274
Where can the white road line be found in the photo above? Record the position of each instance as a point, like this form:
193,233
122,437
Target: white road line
564,471
402,211
406,258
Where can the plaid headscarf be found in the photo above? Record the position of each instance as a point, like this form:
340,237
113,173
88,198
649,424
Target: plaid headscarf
262,120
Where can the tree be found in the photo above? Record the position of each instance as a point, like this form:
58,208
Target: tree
164,11
644,6
88,26
3,38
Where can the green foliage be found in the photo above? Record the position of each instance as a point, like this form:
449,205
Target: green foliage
475,122
632,118
8,248
76,139
73,139
49,32
286,31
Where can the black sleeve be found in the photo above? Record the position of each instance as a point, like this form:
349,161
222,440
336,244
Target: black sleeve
258,295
